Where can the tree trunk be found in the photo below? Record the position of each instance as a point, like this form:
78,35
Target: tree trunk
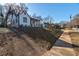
12,19
7,14
5,20
18,20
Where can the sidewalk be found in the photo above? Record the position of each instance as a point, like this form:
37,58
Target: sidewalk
62,47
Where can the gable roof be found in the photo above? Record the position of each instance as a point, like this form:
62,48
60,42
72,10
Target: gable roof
34,19
75,21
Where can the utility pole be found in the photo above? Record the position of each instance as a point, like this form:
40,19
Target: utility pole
70,21
70,17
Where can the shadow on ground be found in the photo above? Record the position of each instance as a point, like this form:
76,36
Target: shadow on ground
42,38
65,44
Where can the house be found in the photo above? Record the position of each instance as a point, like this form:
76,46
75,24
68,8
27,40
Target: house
26,20
47,25
75,23
23,19
35,22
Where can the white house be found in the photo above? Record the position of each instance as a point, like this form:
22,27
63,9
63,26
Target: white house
24,19
35,22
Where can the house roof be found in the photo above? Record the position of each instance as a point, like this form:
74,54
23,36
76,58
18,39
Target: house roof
34,19
49,24
75,21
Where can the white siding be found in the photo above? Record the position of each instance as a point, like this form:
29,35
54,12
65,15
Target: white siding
24,23
37,23
76,29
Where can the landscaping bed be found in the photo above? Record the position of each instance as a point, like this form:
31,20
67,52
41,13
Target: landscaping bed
44,38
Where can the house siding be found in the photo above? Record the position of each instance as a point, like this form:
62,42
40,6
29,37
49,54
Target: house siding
25,23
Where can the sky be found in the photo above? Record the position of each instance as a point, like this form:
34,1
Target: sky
58,11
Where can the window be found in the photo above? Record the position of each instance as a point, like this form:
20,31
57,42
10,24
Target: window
24,19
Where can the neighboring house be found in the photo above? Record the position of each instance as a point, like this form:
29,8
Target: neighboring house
35,22
75,23
47,25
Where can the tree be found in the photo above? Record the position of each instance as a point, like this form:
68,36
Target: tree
63,24
34,15
48,19
14,9
8,8
1,16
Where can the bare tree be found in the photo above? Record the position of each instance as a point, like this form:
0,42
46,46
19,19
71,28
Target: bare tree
49,19
1,16
14,9
8,11
34,15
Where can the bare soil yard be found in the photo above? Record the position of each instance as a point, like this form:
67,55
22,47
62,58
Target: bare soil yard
11,44
31,41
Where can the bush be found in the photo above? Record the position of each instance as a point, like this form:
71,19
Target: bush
56,32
